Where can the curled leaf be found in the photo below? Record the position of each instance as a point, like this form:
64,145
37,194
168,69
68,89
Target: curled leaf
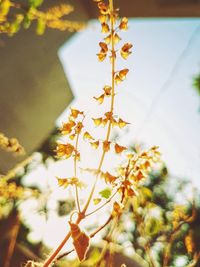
109,178
105,28
139,176
123,73
79,127
65,182
80,241
103,8
117,79
123,24
106,146
125,50
117,209
121,76
87,136
121,123
130,192
104,47
116,38
104,122
95,144
67,127
119,149
109,115
107,39
114,122
103,18
97,121
101,56
75,112
99,99
64,150
107,90
72,136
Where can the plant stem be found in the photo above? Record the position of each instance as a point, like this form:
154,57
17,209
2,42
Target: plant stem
111,105
12,243
91,236
75,172
58,249
103,205
82,213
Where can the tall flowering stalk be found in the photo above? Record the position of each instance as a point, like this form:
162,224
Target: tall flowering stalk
136,165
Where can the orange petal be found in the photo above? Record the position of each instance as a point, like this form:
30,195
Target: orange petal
99,99
79,127
95,144
97,121
109,178
104,9
87,136
123,24
75,113
106,146
105,28
101,56
119,149
116,38
107,39
103,18
123,73
108,90
109,115
104,122
104,47
117,79
122,123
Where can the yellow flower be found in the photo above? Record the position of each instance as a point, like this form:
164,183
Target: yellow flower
63,150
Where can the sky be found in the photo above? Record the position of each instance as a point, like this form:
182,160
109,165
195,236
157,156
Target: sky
157,98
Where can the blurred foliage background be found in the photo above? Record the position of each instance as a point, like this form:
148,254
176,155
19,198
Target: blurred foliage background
17,14
161,225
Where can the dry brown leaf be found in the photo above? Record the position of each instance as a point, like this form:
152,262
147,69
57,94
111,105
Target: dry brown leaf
123,24
80,240
119,149
105,28
106,146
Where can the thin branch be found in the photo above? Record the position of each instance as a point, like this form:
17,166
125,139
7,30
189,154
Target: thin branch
195,260
13,239
81,215
103,205
101,227
75,173
91,236
111,105
11,174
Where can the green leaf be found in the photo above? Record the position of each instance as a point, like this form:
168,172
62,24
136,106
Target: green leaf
35,3
27,22
41,25
106,193
96,201
153,226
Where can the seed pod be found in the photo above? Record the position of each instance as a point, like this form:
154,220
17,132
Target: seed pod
80,241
